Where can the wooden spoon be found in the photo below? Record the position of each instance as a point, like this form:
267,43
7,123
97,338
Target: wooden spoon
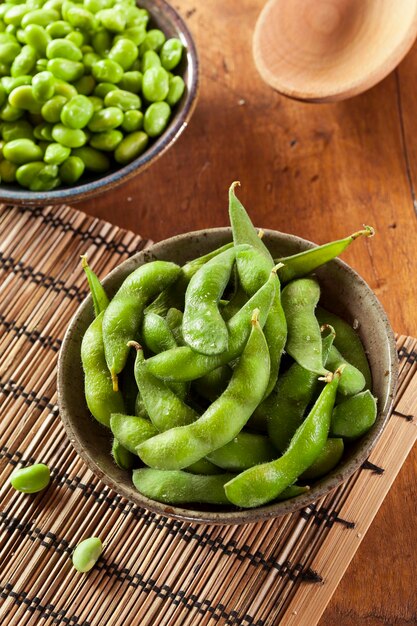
325,50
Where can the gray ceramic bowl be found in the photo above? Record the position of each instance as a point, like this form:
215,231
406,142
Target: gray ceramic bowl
344,293
163,16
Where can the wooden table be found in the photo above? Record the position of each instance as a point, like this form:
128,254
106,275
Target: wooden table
319,171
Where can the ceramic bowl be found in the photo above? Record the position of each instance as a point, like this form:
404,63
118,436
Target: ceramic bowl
166,18
344,292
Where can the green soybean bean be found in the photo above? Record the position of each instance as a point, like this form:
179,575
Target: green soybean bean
177,487
131,430
150,59
305,262
65,69
132,121
224,419
43,86
97,103
24,63
131,147
98,294
156,118
15,14
112,19
328,458
38,38
9,51
77,113
9,82
243,452
85,85
131,81
55,154
93,160
299,299
96,5
21,36
86,554
263,483
155,84
62,88
59,29
175,91
183,363
43,132
42,17
284,409
51,110
127,307
352,380
63,48
90,59
17,130
102,41
203,327
355,416
77,38
100,396
171,53
154,40
105,119
71,170
3,95
20,151
69,137
107,71
10,113
124,52
41,65
122,457
137,34
102,89
7,171
348,343
80,18
107,141
22,98
125,100
30,479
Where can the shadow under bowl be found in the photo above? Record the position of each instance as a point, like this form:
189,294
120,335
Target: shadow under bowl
344,293
164,17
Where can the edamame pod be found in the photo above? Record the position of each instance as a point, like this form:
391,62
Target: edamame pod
263,483
224,419
176,487
212,385
244,451
122,457
98,294
355,416
328,458
123,316
299,300
352,380
101,399
131,430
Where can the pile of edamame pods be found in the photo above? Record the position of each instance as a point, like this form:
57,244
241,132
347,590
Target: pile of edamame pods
84,86
222,381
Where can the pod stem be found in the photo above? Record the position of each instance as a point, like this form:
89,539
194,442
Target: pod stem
134,344
84,261
328,327
277,267
255,317
261,233
114,380
328,378
368,231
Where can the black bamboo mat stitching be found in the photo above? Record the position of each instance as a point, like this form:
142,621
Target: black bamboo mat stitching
27,272
367,465
98,240
325,516
410,356
17,391
408,418
33,335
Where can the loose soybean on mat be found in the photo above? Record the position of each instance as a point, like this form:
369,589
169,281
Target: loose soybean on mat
154,570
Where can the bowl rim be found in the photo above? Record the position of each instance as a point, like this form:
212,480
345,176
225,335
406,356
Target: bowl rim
117,177
241,516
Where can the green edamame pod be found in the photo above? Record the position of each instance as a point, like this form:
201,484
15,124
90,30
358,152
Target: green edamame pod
123,316
203,327
355,416
122,457
156,333
164,407
99,296
347,342
327,460
352,380
224,419
176,487
263,483
183,364
101,399
244,451
203,466
212,385
299,300
298,265
131,430
284,409
174,320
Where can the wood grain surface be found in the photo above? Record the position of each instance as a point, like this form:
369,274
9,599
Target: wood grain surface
318,171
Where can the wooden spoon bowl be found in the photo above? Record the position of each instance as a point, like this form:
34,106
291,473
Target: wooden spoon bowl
327,50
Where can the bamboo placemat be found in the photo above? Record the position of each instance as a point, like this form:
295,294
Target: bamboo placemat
155,571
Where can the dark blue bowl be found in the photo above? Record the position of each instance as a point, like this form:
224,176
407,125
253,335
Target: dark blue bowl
163,16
